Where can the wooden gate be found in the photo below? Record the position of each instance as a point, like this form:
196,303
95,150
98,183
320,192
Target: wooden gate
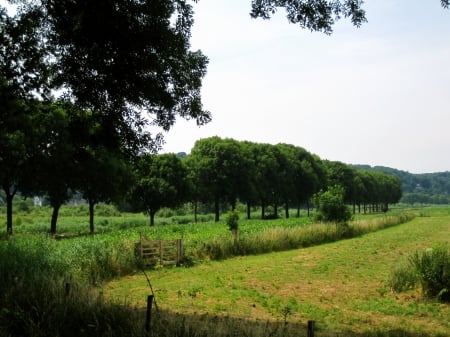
162,252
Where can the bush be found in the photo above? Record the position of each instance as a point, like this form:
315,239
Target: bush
433,270
331,206
232,220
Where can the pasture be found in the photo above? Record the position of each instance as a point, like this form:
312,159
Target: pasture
279,274
343,286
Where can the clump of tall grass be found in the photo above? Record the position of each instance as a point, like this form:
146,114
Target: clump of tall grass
433,271
361,227
44,305
430,269
46,288
402,278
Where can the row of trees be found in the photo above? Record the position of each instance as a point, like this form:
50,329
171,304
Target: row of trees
55,157
224,171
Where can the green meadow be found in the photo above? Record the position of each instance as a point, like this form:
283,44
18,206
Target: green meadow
276,277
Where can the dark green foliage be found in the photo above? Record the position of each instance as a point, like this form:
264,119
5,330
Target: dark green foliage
319,15
433,270
233,220
331,206
161,182
138,60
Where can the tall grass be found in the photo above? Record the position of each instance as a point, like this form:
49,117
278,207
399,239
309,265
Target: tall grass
285,238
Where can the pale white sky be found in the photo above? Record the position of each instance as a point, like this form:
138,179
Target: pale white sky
376,95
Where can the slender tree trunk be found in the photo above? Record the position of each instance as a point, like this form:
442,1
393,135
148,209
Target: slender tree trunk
354,207
307,208
91,216
263,211
298,211
195,211
286,211
9,218
216,210
233,204
248,211
54,218
275,211
152,218
10,193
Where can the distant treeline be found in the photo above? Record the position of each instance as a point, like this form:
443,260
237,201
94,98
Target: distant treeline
423,188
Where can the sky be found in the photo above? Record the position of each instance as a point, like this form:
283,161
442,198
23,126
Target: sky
377,95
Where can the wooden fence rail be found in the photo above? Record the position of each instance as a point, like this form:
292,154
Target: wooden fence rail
162,252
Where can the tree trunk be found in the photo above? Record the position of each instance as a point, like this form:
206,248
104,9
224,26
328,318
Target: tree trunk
9,207
233,204
152,218
286,211
275,211
195,211
216,210
54,218
248,211
9,224
307,207
91,216
263,211
298,211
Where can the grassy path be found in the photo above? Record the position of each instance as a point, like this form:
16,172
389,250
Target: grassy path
342,286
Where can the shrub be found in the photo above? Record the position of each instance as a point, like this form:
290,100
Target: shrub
331,206
232,220
433,270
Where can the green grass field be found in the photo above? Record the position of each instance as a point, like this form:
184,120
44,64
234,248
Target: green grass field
343,286
277,276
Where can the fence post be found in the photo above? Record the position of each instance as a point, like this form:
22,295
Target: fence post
141,247
148,318
179,251
310,328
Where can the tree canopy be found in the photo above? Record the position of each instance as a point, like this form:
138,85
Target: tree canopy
315,15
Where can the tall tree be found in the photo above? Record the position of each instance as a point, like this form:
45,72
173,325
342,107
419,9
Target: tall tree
23,78
102,170
161,182
13,151
135,68
221,171
53,161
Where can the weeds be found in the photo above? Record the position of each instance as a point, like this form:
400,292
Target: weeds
433,270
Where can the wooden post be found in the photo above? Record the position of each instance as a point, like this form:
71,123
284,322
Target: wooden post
179,251
148,319
161,252
311,328
141,247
